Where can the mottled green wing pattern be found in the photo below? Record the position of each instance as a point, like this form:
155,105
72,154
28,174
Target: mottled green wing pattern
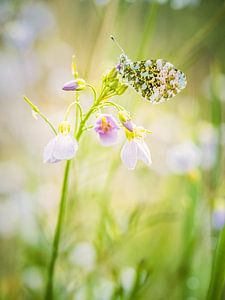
156,80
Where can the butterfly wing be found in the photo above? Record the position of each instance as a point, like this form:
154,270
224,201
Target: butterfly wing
156,80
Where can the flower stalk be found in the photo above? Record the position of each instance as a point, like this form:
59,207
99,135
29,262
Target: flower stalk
60,219
217,280
57,235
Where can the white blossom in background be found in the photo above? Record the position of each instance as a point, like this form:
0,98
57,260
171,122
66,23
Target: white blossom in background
180,4
127,278
208,139
32,278
183,158
218,215
9,218
84,256
104,289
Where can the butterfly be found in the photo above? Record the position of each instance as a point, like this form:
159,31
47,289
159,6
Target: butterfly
155,80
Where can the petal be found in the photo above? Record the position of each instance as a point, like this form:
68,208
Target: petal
128,125
143,152
65,147
129,154
109,138
112,121
70,86
48,152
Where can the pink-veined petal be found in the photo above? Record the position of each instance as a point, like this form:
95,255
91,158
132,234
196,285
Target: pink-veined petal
108,139
65,147
143,152
129,154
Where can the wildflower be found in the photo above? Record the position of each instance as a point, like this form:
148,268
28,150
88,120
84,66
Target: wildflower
107,127
218,218
112,85
135,147
184,158
84,256
218,215
75,85
61,147
208,139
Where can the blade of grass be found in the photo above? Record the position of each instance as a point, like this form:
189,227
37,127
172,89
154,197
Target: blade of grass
218,271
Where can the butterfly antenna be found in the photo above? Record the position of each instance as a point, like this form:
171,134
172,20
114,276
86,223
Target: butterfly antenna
115,41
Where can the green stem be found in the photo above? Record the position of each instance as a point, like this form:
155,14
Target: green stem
87,116
37,111
217,280
78,110
55,246
61,213
93,90
48,122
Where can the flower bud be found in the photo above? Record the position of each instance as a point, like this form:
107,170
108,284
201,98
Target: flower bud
123,116
75,85
129,125
64,127
125,119
74,67
111,75
121,89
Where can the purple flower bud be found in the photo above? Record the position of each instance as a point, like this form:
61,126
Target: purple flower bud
70,86
128,125
106,126
74,85
118,67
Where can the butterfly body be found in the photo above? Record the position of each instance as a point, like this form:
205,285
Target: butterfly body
155,80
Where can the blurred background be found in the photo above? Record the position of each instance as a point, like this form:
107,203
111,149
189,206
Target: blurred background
147,234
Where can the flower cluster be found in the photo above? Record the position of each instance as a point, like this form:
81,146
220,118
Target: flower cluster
112,85
64,146
154,79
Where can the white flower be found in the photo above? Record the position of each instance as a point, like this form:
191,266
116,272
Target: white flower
134,150
183,158
84,255
135,147
61,147
128,276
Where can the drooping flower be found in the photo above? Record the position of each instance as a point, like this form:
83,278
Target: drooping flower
61,147
75,85
135,147
107,129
